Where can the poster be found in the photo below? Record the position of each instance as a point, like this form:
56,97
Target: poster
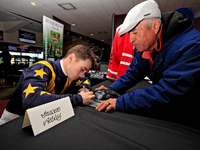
52,38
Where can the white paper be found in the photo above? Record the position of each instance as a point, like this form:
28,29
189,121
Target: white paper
48,115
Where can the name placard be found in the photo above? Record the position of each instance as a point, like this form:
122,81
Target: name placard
48,115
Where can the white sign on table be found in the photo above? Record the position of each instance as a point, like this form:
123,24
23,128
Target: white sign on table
48,115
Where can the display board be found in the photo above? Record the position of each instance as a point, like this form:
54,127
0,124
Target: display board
52,38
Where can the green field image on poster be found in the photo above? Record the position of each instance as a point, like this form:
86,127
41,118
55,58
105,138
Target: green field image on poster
55,37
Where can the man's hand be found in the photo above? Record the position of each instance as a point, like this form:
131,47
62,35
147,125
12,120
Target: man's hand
87,90
108,105
87,96
101,87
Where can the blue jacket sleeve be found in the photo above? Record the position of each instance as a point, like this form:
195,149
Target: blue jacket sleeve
34,88
134,74
178,79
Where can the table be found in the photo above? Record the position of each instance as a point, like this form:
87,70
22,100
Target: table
90,129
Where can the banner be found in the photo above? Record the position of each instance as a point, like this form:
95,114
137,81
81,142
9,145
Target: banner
52,38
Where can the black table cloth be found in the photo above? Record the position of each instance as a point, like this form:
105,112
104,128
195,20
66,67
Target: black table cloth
90,129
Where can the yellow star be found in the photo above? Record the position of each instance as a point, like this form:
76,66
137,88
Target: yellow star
78,82
39,73
86,82
29,90
43,92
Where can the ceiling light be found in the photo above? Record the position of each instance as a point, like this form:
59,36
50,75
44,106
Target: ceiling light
102,40
73,24
91,34
67,6
33,3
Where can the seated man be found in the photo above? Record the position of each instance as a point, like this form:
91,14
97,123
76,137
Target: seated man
47,81
168,52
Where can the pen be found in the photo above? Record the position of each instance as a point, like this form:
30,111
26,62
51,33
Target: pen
84,88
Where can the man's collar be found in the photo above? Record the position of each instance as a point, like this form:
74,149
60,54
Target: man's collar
159,40
148,54
61,64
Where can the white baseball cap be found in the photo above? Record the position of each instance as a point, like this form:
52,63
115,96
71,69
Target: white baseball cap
144,10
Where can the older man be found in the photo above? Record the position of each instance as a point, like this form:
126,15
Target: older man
168,52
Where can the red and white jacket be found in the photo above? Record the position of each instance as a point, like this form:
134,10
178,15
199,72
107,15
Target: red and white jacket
120,57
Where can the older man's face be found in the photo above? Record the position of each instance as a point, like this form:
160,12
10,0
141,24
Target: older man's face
142,38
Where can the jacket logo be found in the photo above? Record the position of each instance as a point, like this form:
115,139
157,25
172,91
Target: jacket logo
86,82
40,73
30,89
78,83
43,92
